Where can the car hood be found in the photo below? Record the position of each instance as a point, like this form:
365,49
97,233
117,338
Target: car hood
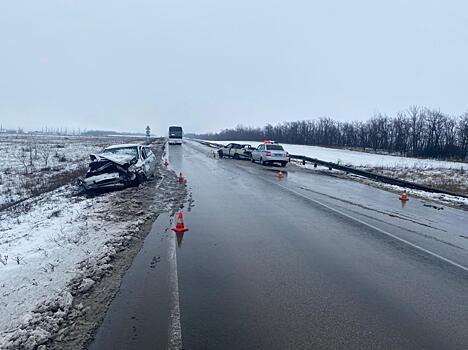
120,159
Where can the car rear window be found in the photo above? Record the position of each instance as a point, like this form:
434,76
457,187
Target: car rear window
274,148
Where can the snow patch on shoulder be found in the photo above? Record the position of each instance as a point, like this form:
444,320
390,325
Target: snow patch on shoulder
56,250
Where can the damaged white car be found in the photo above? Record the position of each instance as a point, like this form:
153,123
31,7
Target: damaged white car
120,166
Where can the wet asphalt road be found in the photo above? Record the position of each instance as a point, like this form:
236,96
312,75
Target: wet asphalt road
308,262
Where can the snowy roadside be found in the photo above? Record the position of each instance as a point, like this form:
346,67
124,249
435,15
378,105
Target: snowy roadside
361,159
449,179
61,247
451,176
454,201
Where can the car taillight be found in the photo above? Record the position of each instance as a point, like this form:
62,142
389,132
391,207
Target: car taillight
268,154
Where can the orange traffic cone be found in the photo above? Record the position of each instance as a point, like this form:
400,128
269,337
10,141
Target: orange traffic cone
280,175
180,227
404,196
166,163
181,179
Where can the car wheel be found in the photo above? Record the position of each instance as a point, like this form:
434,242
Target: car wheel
140,179
261,161
236,156
252,160
221,154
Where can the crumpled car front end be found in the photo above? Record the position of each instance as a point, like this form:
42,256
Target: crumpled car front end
106,172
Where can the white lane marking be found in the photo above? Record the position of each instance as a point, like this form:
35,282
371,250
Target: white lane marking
435,255
175,330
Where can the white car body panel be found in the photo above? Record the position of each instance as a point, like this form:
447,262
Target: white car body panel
266,153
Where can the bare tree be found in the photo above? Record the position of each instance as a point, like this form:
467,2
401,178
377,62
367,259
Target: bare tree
462,132
415,132
22,157
45,151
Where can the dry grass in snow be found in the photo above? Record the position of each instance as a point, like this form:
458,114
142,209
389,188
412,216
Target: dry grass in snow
31,165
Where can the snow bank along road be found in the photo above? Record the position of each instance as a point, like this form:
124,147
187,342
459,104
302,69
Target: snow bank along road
310,261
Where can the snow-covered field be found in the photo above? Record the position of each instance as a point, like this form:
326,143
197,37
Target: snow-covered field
61,246
32,164
55,246
361,159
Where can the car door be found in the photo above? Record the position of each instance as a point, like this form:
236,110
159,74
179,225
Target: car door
235,149
227,149
262,150
151,160
232,150
144,159
256,154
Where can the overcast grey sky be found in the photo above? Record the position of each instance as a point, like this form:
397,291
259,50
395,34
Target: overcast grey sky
212,64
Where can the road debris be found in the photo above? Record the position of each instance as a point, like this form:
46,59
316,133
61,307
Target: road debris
433,206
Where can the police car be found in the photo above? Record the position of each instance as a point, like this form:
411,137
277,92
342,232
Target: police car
270,152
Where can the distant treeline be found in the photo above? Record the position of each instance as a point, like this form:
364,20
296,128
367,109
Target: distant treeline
109,133
69,132
419,132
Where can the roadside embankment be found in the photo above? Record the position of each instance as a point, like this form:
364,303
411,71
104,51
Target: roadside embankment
62,257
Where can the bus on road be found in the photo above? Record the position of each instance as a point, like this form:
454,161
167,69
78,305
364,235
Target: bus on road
175,135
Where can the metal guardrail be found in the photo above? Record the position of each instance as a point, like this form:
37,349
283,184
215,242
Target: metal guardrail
351,170
373,176
209,144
